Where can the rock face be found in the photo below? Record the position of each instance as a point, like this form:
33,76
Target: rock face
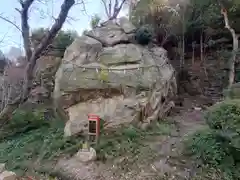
126,26
103,73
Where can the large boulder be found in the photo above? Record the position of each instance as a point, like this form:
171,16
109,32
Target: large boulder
126,25
117,80
109,34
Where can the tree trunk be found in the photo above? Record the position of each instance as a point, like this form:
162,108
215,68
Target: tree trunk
201,47
233,60
235,48
193,53
183,42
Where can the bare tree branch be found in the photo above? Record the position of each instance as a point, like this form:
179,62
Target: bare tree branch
106,8
3,37
117,9
116,4
10,22
111,10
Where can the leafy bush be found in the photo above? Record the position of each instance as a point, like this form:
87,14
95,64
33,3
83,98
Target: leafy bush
206,146
224,116
213,152
22,122
143,35
219,145
95,21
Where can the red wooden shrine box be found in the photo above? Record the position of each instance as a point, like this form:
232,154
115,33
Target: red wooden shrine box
93,126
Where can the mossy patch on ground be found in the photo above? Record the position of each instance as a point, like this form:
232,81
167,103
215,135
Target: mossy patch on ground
29,139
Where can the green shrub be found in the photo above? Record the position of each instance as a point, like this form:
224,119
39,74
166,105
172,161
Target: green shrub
206,146
21,122
95,21
225,119
219,145
210,149
143,35
224,116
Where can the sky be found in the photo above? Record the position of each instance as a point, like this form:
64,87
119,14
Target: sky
41,14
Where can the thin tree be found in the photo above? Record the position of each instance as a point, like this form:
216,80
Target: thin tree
235,37
32,54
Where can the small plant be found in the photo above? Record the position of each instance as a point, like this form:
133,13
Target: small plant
224,116
143,35
95,21
103,75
